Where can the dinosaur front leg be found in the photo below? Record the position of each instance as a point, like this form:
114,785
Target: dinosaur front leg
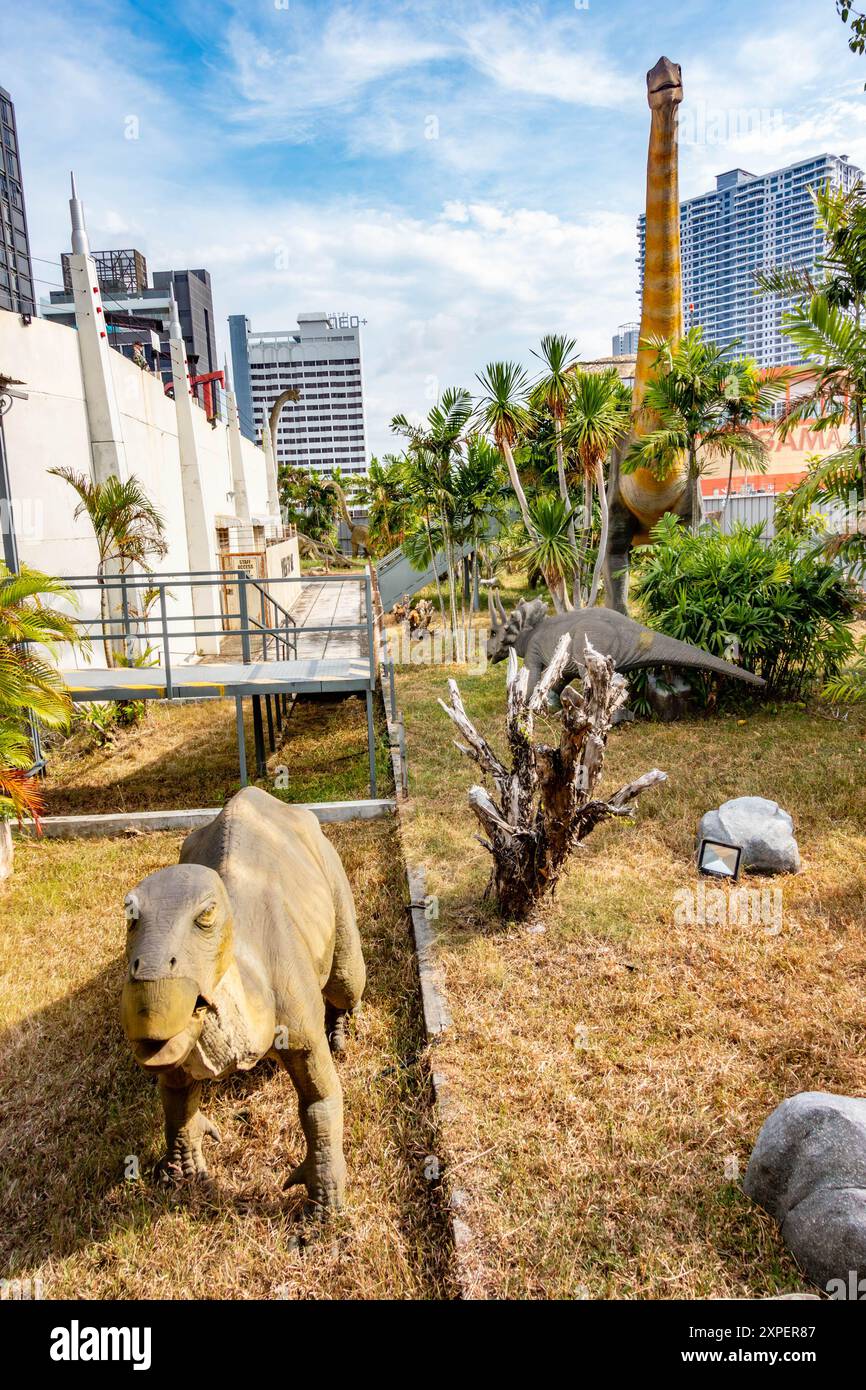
622,526
185,1128
320,1107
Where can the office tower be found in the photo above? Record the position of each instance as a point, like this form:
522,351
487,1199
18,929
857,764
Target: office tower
192,291
16,269
239,333
750,222
324,429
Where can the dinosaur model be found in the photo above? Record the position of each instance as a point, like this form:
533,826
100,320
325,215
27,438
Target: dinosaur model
419,616
248,948
358,535
534,636
638,500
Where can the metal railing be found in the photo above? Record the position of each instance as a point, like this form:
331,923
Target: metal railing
266,628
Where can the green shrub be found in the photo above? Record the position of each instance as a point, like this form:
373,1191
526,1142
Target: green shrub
780,613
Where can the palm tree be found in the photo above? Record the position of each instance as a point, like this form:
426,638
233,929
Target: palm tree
424,537
433,444
749,398
478,492
129,531
686,400
383,493
551,548
833,337
504,415
307,502
826,320
30,687
597,420
553,392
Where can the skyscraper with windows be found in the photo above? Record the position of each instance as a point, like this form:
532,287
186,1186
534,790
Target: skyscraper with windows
750,222
324,428
16,269
625,340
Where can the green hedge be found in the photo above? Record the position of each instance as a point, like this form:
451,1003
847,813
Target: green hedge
781,613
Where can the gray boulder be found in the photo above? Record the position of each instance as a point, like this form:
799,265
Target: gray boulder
808,1170
764,830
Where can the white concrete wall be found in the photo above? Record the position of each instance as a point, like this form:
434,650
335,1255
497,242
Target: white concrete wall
284,560
50,429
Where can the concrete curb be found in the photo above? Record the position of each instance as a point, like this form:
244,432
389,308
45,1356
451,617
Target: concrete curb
124,822
437,1017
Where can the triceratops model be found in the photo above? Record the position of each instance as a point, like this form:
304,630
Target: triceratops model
534,636
247,948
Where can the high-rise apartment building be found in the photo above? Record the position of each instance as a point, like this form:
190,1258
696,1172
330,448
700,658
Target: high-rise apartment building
16,270
625,340
324,429
751,222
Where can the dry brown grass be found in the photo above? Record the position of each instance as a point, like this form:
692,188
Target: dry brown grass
186,755
74,1105
600,1170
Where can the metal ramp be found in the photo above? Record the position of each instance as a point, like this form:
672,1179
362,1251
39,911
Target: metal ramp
282,655
397,577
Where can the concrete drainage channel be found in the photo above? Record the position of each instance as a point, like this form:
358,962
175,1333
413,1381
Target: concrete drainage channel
436,1014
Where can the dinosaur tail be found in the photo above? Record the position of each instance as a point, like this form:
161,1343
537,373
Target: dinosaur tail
669,651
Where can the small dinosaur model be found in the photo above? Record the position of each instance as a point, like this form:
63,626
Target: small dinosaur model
638,500
358,534
534,636
248,948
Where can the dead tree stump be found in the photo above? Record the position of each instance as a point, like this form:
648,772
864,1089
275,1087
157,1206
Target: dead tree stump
544,803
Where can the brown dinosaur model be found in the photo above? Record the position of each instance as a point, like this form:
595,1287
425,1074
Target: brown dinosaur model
248,948
358,535
638,500
291,393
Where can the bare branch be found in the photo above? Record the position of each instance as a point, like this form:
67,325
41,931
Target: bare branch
551,675
634,789
479,749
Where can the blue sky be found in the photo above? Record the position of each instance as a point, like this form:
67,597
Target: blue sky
464,176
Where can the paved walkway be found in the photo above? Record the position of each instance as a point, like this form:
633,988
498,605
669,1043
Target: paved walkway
319,605
322,605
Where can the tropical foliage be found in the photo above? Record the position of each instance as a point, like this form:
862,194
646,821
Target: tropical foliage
780,612
389,506
598,419
450,494
827,323
306,501
30,687
129,531
702,408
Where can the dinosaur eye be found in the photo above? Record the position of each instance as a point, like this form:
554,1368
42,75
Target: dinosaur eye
132,910
207,916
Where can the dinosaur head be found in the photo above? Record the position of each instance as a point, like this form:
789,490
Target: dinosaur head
505,631
664,84
179,947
